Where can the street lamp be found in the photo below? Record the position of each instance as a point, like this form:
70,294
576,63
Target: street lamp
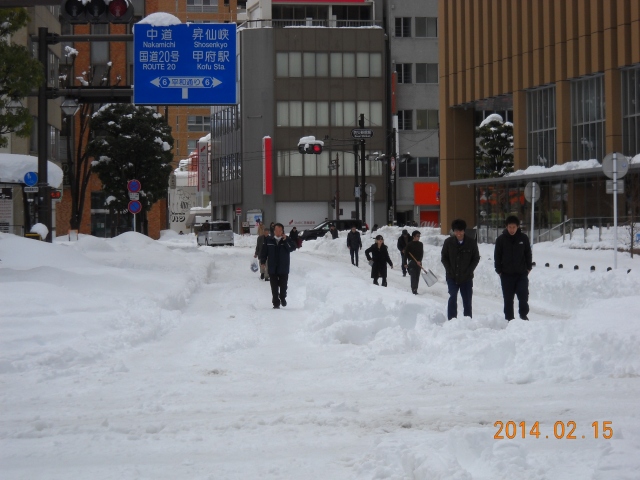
70,107
14,105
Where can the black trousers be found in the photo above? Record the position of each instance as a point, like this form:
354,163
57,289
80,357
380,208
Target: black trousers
404,262
414,273
516,284
278,288
354,256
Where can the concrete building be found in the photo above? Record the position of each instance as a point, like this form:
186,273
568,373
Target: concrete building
306,68
567,74
412,29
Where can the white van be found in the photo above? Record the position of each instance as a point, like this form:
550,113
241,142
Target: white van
218,232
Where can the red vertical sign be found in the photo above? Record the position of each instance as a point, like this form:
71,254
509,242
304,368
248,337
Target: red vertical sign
267,166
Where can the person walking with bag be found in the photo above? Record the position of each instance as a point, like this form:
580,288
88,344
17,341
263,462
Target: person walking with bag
513,262
276,251
460,257
403,241
414,253
354,243
378,257
264,271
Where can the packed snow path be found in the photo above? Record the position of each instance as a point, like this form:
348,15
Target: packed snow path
161,360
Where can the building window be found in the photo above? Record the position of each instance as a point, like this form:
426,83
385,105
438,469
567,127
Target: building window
426,73
426,27
411,167
405,120
192,145
631,111
541,127
319,64
99,56
202,6
198,123
403,27
587,118
404,72
426,119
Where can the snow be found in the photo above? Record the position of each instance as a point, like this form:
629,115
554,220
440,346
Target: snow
41,229
160,19
13,168
131,358
494,117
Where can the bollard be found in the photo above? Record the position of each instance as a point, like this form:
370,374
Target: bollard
560,266
546,264
593,268
575,267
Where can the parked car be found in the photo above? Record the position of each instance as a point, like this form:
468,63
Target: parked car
218,232
321,229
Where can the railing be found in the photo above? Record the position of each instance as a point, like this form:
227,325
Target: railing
310,22
15,229
587,230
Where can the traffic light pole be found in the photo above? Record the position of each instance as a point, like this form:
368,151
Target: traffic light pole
363,195
355,178
44,197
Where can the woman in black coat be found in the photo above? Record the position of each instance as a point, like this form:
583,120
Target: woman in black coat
378,257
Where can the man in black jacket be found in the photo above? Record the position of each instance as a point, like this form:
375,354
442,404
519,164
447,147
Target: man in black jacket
403,241
513,262
460,257
414,253
276,250
354,243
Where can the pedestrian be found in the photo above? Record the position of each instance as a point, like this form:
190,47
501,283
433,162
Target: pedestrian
403,241
272,227
460,257
414,253
276,251
513,262
333,231
293,235
378,257
354,243
260,226
264,269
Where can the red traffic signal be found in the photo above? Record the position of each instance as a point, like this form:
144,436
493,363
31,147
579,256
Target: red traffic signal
97,11
56,194
310,145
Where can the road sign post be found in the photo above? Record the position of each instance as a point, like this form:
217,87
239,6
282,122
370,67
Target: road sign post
185,64
615,166
532,194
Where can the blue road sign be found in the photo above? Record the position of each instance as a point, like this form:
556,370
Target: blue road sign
30,179
135,206
186,64
134,186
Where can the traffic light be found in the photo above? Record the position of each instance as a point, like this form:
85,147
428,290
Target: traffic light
310,145
56,194
97,11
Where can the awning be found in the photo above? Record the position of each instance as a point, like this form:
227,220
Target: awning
541,176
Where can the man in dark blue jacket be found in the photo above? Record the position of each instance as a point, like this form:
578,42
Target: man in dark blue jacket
513,262
276,250
460,257
354,243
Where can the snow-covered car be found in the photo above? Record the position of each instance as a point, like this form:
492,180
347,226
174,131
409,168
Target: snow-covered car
218,232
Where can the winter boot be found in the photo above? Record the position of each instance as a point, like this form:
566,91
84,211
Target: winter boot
375,281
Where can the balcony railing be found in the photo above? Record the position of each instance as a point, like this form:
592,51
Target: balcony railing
310,22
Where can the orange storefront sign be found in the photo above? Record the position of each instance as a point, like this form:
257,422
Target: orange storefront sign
426,193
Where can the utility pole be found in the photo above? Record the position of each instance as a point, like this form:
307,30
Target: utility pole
337,187
44,197
355,178
392,164
363,195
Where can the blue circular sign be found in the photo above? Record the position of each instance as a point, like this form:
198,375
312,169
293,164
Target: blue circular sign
135,206
30,179
134,186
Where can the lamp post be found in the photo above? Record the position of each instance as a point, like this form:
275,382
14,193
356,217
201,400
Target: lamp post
44,197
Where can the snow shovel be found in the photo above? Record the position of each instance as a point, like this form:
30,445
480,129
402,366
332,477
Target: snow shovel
427,275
